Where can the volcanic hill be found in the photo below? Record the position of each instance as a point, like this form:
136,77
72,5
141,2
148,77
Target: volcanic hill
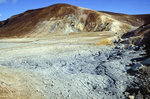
64,18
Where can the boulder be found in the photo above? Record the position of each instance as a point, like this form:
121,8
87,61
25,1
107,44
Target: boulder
146,62
137,66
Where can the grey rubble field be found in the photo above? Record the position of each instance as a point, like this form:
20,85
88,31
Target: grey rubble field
73,71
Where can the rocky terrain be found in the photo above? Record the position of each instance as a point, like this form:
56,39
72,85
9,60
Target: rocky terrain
141,37
68,52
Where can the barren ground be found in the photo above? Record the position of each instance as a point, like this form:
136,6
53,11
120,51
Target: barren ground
72,66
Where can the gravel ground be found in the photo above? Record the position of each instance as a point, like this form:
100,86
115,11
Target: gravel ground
69,71
99,72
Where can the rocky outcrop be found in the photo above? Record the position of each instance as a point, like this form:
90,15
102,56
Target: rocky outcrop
140,37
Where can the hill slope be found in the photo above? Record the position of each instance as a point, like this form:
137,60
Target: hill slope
64,18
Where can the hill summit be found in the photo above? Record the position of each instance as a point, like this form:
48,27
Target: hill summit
65,18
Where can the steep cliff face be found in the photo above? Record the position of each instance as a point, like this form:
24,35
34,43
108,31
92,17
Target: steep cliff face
62,18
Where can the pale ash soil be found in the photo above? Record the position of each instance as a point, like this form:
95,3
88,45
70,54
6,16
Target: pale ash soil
76,66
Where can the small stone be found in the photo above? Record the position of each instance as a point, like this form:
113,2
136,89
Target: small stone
2,83
61,93
13,91
94,87
88,83
134,61
37,90
52,84
131,97
69,84
68,96
137,66
93,98
126,94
